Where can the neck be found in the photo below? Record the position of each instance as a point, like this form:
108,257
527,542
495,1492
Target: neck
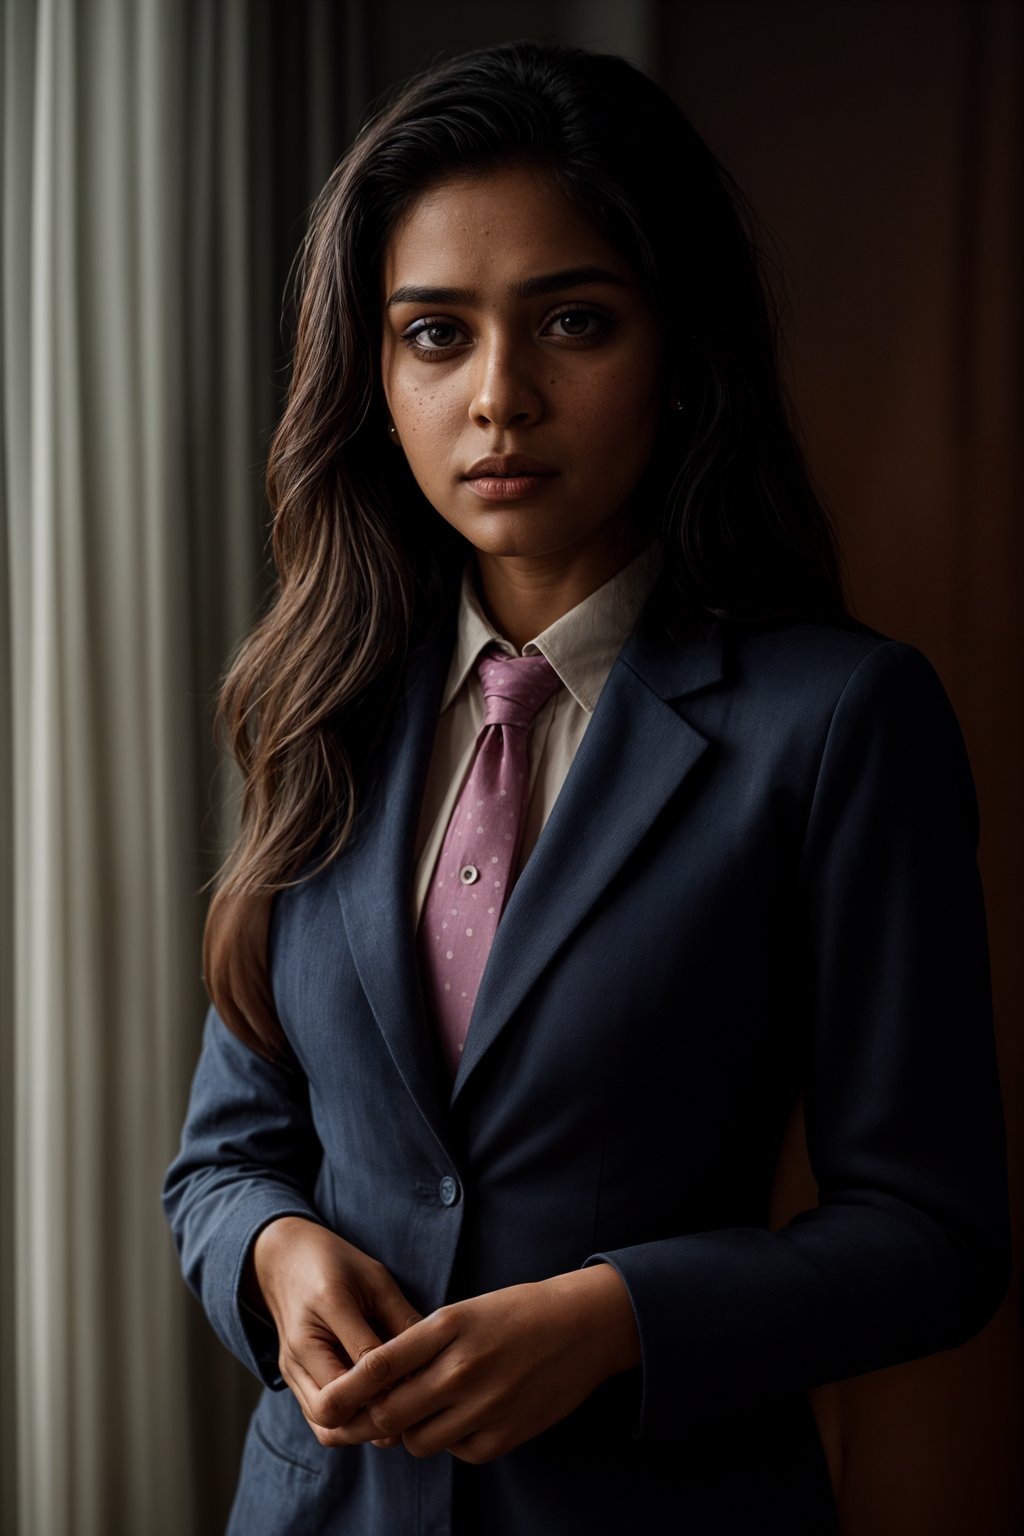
523,594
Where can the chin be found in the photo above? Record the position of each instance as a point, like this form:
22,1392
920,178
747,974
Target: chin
515,543
505,531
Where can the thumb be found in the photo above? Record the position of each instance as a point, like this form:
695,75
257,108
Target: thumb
344,1323
391,1309
327,1345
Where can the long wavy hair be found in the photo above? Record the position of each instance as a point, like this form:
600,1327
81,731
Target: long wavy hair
365,565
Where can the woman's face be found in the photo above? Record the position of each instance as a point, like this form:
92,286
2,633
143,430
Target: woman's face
512,328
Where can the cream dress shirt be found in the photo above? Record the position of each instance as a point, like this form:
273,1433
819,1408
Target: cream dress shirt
581,646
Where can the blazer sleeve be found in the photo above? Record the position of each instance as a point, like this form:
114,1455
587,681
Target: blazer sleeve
908,1250
249,1153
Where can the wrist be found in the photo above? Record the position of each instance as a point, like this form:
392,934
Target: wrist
265,1255
601,1316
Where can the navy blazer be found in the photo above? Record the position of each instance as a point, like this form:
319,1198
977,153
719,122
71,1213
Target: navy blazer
758,880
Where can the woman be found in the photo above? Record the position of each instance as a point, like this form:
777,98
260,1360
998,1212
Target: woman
559,640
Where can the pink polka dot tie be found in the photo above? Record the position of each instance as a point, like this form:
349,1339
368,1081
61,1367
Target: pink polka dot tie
476,866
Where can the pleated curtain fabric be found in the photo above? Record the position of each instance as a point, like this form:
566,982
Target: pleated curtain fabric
153,183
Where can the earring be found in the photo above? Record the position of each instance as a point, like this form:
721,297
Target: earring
393,430
677,405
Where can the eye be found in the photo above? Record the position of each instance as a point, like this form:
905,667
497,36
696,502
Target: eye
428,336
579,323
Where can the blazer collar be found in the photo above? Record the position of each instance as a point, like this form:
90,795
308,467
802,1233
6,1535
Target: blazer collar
636,752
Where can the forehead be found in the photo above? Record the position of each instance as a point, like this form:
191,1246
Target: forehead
472,228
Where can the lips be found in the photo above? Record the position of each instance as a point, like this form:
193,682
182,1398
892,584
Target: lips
507,466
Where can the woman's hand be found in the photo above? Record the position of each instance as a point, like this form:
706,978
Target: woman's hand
488,1373
331,1304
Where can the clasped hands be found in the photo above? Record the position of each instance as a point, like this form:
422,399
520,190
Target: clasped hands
475,1378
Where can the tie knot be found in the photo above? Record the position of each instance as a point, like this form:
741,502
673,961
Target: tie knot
515,687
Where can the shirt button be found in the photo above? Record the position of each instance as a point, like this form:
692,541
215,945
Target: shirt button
468,873
448,1189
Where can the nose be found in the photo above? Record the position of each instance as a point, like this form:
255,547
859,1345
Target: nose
505,390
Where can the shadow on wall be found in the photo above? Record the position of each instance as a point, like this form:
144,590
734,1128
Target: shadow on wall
883,146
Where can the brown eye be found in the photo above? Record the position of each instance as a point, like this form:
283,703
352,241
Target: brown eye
431,336
579,324
440,335
574,323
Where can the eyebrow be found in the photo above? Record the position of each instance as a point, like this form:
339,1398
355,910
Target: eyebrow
525,288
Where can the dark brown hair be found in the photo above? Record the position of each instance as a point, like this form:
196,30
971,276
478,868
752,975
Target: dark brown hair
365,565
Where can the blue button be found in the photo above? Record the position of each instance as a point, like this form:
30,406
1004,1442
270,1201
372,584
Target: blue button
448,1189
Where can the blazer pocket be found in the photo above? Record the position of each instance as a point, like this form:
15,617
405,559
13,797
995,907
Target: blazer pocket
279,1423
276,1495
286,1456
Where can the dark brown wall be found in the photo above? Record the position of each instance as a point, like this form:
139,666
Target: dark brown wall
881,141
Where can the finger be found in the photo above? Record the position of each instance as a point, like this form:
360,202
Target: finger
322,1357
380,1369
417,1397
392,1310
318,1358
348,1322
456,1429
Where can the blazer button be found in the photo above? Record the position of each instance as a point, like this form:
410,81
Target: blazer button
448,1189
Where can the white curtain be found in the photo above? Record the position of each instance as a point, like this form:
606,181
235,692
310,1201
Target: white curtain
157,161
141,162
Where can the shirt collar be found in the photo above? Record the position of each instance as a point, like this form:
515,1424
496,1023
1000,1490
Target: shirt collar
581,645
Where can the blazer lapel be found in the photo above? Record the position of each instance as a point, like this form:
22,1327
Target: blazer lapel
635,754
373,881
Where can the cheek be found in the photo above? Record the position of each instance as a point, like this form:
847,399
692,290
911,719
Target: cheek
424,412
621,416
429,435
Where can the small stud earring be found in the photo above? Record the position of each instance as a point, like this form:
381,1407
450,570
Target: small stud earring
393,430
